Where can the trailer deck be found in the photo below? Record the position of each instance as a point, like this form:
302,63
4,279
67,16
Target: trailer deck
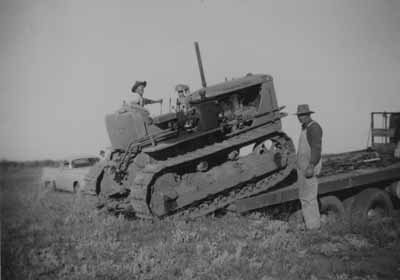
369,172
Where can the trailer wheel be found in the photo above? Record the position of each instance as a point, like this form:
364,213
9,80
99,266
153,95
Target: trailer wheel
369,205
331,208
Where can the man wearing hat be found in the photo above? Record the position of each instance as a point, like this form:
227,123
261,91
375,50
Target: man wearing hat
138,91
309,165
182,91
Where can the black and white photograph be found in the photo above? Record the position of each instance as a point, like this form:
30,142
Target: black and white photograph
200,139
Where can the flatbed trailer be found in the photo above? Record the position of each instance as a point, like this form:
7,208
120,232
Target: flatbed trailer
377,177
351,183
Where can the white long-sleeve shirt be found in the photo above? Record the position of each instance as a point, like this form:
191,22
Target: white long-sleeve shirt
134,99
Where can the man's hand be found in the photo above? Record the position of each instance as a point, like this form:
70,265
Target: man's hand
309,172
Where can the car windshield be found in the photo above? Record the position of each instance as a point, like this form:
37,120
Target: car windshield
84,162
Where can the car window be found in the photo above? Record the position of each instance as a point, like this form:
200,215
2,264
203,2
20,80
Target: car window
84,162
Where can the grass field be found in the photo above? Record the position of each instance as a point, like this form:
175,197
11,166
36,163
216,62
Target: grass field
55,235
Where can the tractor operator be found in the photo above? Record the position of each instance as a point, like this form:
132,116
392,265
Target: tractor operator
309,165
181,102
137,99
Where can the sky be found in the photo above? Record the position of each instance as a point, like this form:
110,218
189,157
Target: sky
66,64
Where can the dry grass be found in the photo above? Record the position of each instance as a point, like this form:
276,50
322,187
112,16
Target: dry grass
54,235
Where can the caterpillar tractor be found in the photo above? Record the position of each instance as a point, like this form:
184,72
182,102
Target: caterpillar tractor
227,145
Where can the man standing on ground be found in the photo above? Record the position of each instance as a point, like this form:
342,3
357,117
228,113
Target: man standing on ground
309,165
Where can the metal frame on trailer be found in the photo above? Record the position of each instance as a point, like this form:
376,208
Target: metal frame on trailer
327,184
385,132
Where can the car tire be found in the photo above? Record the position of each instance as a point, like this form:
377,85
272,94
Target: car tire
47,185
371,204
76,187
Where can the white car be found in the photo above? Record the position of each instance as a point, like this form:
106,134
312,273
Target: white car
70,173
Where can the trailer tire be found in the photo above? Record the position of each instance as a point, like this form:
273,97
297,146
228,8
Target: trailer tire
332,205
370,204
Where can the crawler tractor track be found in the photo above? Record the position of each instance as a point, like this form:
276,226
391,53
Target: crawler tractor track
223,199
142,188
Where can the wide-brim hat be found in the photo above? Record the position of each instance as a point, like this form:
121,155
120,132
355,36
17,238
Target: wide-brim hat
303,109
180,87
137,84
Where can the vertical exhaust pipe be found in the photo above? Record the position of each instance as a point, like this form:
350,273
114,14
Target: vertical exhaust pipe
203,79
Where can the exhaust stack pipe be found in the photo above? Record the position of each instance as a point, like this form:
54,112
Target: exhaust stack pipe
203,79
